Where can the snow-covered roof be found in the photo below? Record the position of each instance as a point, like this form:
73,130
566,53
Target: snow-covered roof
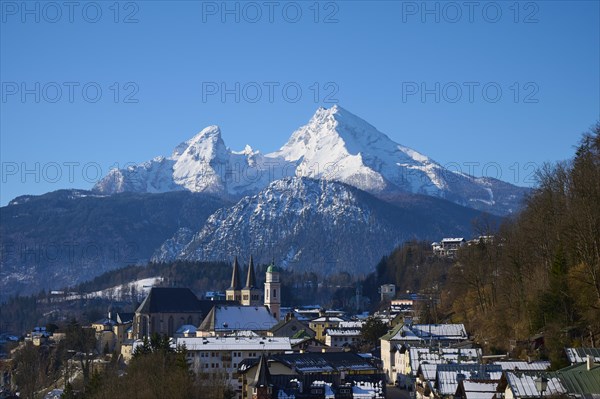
479,389
523,385
243,333
351,324
453,239
421,332
440,331
327,319
335,332
235,343
186,329
521,365
232,318
579,355
428,371
448,375
422,356
367,390
405,334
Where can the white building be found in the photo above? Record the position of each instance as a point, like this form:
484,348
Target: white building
448,246
416,335
346,334
220,356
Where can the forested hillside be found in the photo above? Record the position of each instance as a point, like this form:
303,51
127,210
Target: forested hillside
535,288
542,274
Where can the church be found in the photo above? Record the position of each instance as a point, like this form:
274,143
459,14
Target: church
251,294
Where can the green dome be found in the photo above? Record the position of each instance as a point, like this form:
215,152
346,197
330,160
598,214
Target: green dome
272,269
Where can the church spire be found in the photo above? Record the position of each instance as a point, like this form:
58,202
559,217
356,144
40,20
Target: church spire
262,379
235,277
251,278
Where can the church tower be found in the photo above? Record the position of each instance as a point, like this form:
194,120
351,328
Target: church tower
251,292
234,292
273,291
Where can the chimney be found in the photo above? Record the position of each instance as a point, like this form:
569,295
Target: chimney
590,362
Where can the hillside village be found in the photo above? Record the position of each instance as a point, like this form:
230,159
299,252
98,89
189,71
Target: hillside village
246,343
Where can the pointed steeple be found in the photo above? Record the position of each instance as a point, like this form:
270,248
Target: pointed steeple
263,376
235,277
250,278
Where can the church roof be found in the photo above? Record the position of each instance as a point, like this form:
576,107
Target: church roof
235,277
170,300
263,376
250,278
236,318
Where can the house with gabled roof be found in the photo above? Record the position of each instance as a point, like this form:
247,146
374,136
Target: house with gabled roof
448,376
396,343
476,389
290,327
522,384
224,320
298,374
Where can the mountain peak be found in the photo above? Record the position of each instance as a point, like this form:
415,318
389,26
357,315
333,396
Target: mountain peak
335,145
208,134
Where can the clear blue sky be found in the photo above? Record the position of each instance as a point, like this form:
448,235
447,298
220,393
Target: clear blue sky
370,57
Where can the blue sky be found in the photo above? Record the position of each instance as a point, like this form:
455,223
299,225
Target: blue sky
426,75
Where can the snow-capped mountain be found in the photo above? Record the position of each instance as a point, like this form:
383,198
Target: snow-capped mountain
201,164
335,145
338,145
316,225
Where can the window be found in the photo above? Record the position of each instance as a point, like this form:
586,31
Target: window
275,293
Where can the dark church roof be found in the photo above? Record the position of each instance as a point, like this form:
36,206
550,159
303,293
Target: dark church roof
170,300
235,277
251,277
263,376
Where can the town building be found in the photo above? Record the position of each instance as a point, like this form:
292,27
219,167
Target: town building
581,380
312,375
580,355
320,324
419,364
220,357
346,335
522,384
448,376
111,331
406,335
234,292
248,295
225,320
447,247
476,389
388,292
166,309
291,327
273,291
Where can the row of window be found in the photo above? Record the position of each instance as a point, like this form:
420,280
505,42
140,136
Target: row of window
224,354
